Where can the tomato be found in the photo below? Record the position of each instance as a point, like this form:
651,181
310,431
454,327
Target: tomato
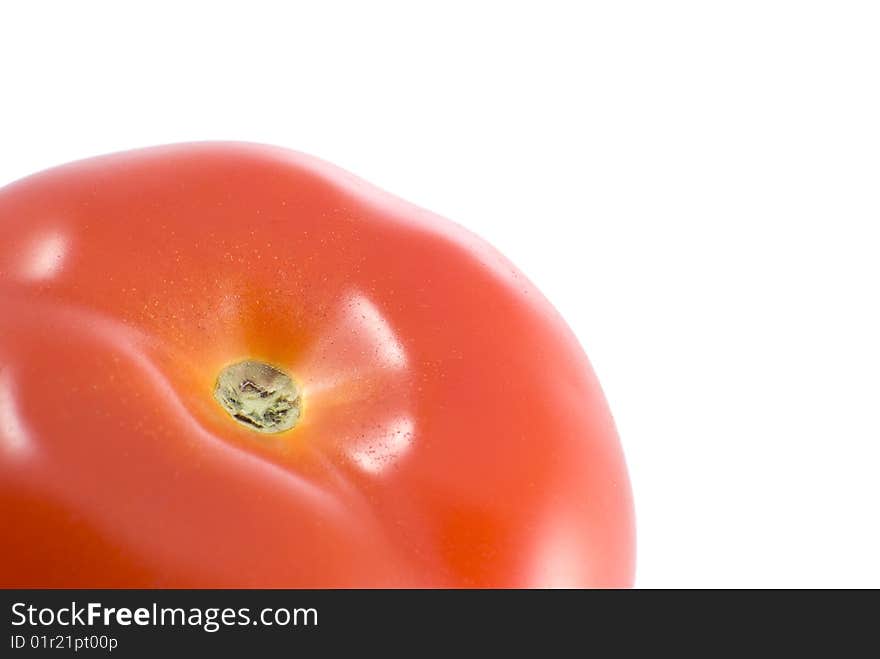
445,427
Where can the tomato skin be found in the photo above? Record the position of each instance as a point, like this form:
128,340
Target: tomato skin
453,435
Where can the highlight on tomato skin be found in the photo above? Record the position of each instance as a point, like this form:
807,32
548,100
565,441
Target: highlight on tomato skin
233,365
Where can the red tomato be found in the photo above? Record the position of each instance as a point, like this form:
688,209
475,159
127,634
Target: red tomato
451,431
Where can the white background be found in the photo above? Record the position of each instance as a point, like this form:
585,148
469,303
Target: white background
695,185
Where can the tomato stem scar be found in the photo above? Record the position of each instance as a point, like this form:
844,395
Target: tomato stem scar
260,396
